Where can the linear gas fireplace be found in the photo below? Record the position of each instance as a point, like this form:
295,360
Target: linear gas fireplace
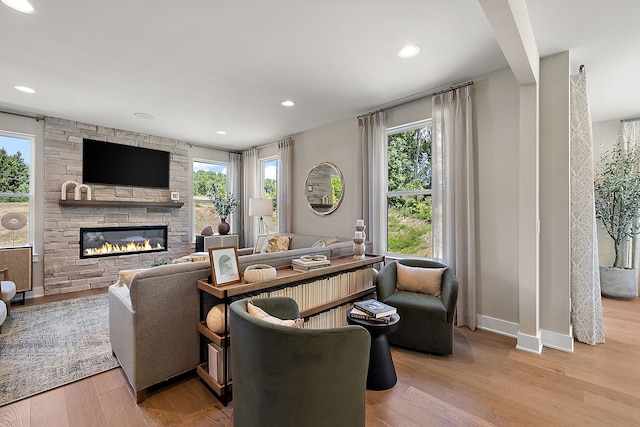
113,241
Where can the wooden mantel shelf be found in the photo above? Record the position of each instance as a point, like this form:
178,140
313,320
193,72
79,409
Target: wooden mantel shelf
119,204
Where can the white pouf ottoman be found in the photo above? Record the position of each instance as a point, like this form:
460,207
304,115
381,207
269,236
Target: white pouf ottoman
3,314
8,292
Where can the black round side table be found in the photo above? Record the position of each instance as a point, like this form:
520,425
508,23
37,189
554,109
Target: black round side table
382,373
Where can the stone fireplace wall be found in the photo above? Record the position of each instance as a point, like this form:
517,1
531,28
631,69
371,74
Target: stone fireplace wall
64,271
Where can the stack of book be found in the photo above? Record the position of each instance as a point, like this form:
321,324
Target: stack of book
310,263
372,310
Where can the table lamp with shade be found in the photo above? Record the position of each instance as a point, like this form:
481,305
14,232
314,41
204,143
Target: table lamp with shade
261,208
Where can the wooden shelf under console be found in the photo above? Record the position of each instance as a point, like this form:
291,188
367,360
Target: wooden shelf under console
287,278
119,204
203,372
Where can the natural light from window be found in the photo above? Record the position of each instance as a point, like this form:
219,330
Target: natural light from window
15,189
208,178
409,228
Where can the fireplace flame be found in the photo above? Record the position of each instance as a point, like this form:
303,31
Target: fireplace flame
108,248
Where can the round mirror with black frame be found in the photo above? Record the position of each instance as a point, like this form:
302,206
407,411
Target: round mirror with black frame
324,188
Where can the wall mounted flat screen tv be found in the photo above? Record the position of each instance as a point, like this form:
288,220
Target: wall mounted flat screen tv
126,165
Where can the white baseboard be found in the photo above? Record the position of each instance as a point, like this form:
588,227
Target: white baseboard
526,342
529,343
498,326
557,341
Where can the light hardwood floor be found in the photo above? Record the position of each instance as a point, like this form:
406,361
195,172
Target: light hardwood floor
486,382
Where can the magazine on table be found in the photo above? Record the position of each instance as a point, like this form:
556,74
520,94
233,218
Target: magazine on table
375,308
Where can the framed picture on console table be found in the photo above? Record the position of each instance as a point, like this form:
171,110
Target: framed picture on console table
224,265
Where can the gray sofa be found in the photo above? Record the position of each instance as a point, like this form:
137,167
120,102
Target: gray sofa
153,318
300,244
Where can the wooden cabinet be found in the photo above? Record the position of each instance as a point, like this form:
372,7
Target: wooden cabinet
203,243
317,292
18,261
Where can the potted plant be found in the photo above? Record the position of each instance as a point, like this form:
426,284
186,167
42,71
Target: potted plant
224,207
617,205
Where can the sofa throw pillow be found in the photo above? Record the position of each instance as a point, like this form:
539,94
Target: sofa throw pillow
263,315
126,277
331,240
419,279
277,243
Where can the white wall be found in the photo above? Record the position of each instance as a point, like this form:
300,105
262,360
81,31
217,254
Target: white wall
496,106
555,241
335,143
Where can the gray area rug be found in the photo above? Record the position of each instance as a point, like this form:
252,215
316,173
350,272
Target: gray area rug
45,346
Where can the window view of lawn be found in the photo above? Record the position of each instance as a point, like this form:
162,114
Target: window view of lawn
409,228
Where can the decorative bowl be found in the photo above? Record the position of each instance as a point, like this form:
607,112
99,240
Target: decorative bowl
259,273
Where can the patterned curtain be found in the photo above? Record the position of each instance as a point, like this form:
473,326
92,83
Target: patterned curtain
586,302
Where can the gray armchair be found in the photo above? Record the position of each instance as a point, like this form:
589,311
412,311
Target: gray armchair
296,377
426,322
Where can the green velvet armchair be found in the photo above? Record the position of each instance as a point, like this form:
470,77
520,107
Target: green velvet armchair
285,376
426,321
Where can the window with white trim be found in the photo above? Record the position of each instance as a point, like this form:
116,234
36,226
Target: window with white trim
269,186
16,189
408,195
208,177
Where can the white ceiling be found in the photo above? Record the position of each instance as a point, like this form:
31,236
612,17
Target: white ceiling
200,66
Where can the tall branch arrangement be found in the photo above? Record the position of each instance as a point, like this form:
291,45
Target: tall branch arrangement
226,205
617,194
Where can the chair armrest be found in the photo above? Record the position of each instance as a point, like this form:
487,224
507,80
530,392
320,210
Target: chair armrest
449,293
386,281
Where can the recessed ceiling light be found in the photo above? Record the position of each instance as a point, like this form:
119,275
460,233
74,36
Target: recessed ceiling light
408,51
288,103
143,115
221,132
20,5
25,89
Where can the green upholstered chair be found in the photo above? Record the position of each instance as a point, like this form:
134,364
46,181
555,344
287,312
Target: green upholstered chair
285,376
426,322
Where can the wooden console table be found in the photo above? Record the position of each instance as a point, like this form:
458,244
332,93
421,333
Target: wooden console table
307,285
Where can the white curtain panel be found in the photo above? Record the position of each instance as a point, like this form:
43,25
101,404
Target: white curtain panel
250,189
453,211
285,184
586,303
234,185
372,141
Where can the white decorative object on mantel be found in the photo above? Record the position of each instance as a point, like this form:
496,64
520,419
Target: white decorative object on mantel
78,192
63,191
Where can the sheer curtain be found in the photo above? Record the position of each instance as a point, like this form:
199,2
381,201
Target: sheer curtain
250,189
285,185
453,212
586,302
372,138
234,185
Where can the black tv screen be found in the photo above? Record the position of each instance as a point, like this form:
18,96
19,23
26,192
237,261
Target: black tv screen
126,165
